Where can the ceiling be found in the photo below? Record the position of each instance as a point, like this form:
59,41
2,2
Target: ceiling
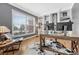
44,8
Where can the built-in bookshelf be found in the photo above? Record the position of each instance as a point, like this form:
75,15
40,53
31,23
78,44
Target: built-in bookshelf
56,21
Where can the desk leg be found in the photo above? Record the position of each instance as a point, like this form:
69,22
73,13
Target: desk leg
43,39
40,43
13,48
78,47
55,39
74,46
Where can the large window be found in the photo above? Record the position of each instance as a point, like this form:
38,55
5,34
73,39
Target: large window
22,23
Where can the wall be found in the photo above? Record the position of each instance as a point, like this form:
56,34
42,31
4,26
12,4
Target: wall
5,15
75,19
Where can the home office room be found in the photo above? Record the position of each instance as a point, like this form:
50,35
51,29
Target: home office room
39,29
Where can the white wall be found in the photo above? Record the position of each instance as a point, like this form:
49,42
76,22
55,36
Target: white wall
75,19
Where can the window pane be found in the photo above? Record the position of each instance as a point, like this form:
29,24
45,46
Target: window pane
19,22
22,23
30,25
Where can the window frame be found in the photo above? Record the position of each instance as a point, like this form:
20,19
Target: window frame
27,15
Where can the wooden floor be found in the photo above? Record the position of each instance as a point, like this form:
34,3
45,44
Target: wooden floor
26,42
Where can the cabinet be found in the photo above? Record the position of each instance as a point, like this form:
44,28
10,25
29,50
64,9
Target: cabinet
65,15
59,19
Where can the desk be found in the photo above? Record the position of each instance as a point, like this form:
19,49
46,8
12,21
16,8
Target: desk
74,41
5,47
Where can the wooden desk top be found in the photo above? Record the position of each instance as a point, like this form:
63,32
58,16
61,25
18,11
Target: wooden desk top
48,36
8,43
60,37
13,41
